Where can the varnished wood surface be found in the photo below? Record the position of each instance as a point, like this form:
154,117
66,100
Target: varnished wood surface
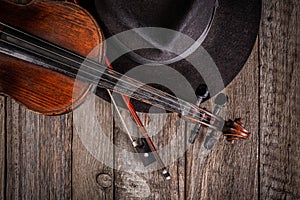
44,158
39,89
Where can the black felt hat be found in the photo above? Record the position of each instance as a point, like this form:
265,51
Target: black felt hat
226,29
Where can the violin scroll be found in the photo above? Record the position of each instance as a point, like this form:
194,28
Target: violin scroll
235,130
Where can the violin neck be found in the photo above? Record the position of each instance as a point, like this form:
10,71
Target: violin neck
32,49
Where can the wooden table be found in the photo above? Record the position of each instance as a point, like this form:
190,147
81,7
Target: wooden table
44,158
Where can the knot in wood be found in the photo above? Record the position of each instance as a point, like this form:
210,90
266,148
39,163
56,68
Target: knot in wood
104,180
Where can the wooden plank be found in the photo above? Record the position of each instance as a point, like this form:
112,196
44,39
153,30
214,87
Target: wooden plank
196,160
38,155
2,147
132,179
280,100
91,178
229,171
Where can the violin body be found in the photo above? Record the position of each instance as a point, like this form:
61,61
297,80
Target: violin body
65,24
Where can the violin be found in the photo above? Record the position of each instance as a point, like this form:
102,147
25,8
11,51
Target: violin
44,44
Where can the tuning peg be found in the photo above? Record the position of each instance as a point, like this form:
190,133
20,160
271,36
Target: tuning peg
211,138
202,93
220,102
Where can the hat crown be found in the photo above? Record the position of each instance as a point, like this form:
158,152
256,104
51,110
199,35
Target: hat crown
191,17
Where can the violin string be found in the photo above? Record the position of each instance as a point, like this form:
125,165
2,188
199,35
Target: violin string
140,84
69,52
82,58
146,89
201,120
44,49
195,117
93,62
75,61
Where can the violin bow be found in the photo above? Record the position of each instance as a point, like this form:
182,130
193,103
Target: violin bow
145,145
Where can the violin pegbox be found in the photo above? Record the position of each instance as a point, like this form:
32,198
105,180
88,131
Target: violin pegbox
235,130
232,130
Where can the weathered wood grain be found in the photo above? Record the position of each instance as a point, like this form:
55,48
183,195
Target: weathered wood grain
40,164
91,179
38,155
2,147
170,142
230,171
196,159
280,100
